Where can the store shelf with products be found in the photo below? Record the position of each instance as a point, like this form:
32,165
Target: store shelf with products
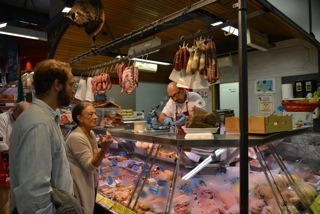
275,177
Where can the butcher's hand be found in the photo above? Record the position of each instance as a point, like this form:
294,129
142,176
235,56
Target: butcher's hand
167,121
106,140
181,121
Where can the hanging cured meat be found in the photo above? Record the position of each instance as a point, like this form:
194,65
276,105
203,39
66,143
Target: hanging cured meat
120,70
201,58
101,83
181,58
128,79
212,74
88,14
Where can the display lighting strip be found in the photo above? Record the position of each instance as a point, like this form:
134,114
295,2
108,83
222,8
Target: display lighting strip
228,29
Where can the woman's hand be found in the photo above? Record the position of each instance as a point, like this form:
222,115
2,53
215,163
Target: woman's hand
106,140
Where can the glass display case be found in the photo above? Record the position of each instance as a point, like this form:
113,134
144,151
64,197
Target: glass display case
161,172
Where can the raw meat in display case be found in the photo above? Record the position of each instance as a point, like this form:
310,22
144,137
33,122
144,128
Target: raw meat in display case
147,183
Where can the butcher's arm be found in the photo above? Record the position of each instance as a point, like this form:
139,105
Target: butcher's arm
162,116
33,160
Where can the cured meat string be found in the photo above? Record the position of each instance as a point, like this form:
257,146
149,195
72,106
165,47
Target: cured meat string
201,57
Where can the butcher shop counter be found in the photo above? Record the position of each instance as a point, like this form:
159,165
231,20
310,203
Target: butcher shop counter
274,165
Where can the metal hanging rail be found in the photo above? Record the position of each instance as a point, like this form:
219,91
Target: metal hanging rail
145,31
172,42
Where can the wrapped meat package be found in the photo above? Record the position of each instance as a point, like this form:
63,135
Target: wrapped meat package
200,118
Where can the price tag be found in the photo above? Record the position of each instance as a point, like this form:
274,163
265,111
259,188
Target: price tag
118,208
128,211
106,202
99,197
315,206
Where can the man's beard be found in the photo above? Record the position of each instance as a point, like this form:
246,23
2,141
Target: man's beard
63,97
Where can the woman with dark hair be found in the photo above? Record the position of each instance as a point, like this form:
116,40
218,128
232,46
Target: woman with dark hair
84,156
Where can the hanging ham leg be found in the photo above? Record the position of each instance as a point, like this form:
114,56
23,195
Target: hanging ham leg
129,79
120,70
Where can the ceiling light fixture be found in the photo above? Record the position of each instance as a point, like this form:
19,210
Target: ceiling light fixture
24,33
257,40
228,29
3,24
66,9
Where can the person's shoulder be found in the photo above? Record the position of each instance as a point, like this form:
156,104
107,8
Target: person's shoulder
169,103
4,115
33,116
194,94
76,133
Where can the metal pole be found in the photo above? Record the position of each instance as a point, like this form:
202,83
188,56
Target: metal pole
243,93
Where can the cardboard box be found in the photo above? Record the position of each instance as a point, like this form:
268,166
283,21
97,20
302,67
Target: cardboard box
270,124
232,125
300,118
261,124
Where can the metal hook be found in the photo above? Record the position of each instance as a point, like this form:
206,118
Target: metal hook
112,68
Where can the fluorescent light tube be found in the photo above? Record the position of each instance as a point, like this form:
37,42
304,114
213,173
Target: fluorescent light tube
24,33
66,9
3,24
28,23
149,61
193,172
148,67
19,35
228,29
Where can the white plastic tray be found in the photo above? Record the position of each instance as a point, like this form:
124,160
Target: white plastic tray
199,130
